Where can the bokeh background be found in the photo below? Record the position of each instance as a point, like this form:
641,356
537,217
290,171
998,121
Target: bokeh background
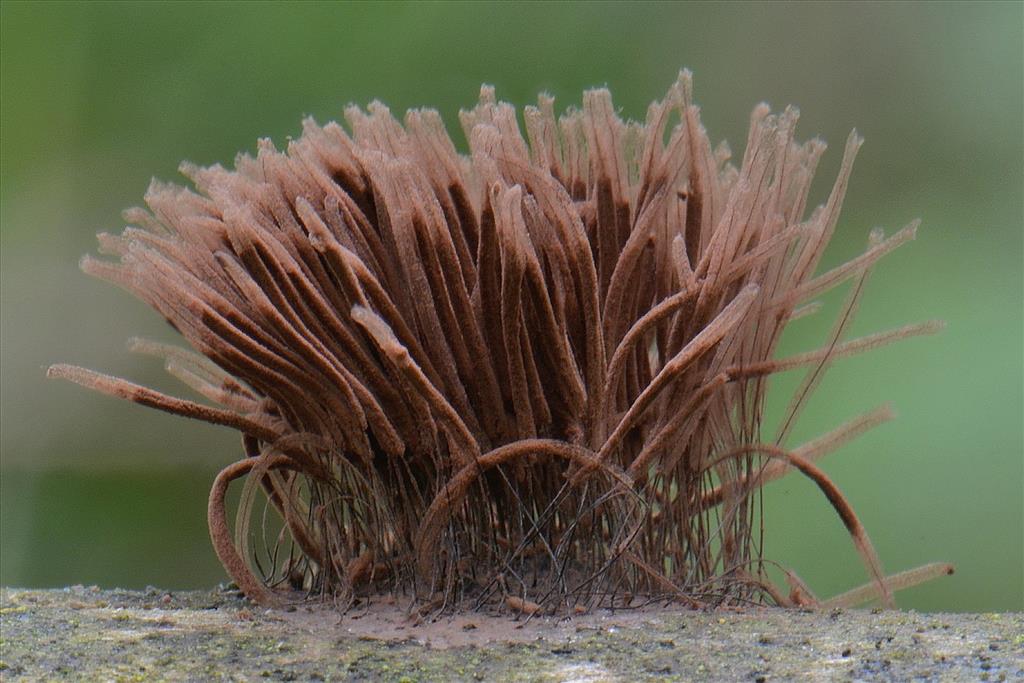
98,98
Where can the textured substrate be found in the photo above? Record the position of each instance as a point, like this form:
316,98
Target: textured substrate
89,634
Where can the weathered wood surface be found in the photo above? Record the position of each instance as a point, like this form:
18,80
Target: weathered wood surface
89,634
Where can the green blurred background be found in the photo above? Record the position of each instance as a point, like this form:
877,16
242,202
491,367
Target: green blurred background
97,98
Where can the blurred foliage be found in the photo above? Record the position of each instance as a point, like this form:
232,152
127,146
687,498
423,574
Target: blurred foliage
99,97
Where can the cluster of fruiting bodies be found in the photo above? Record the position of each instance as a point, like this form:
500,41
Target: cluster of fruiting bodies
535,372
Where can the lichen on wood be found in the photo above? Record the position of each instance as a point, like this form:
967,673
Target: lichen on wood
91,634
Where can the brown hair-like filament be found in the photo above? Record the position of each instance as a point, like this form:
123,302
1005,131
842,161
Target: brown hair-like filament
539,366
